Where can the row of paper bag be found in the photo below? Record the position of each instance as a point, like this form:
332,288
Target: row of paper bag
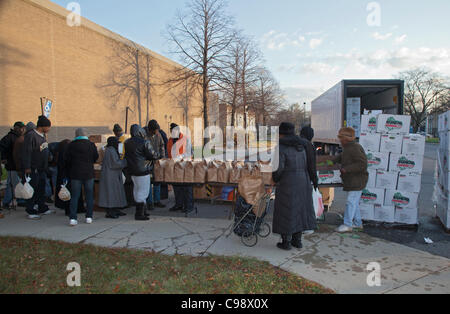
187,171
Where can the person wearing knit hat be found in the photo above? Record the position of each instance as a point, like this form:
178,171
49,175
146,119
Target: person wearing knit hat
118,132
353,161
287,128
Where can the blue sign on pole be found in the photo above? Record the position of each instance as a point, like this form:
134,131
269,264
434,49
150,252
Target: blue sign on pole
48,108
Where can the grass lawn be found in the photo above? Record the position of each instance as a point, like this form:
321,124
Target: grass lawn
432,140
38,266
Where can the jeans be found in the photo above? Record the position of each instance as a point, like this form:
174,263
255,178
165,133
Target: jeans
156,194
75,186
11,182
38,184
352,215
184,196
50,185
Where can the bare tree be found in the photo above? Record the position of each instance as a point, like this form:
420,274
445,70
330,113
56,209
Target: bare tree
424,91
200,37
129,76
183,99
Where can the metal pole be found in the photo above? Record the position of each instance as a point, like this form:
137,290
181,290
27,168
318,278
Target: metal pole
42,106
126,120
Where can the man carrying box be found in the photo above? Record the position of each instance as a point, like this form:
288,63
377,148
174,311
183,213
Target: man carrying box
354,175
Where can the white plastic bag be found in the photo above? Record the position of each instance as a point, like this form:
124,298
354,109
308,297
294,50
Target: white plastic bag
24,190
318,203
64,194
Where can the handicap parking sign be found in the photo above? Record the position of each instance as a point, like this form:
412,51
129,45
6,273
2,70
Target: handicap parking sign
48,108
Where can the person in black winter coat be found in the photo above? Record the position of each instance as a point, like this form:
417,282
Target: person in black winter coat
307,134
35,155
293,199
140,154
80,159
7,157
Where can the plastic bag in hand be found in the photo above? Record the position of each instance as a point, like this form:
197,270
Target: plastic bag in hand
24,190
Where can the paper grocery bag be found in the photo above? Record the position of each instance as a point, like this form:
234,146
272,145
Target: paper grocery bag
189,173
159,170
251,188
213,171
169,168
266,172
178,172
235,174
223,174
200,171
246,170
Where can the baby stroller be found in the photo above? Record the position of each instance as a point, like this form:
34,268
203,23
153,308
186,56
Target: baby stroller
249,220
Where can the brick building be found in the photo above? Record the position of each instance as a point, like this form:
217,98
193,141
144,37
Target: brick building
42,56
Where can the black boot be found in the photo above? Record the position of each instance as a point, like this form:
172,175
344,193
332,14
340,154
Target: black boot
286,244
111,214
140,212
297,241
146,210
176,208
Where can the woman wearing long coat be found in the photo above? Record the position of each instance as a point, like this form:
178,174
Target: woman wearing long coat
111,190
293,199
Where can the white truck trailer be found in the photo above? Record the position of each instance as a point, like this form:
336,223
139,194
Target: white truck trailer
343,104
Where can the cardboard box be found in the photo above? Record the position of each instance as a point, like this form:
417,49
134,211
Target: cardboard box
386,180
372,179
443,199
384,213
411,182
413,144
377,161
367,211
393,124
408,216
391,143
443,122
329,177
401,199
406,163
354,114
372,196
370,141
369,122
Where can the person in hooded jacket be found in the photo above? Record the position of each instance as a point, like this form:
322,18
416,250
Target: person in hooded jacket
140,155
111,190
7,157
293,200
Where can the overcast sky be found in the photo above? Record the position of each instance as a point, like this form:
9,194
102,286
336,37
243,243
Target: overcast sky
309,45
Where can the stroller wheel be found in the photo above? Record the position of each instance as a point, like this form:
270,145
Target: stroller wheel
249,238
264,230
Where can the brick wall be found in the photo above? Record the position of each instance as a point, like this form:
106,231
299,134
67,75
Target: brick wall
41,56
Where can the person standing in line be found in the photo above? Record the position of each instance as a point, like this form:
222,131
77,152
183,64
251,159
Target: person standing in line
293,199
80,159
153,135
35,155
164,187
118,132
111,190
140,154
179,146
355,176
7,158
307,135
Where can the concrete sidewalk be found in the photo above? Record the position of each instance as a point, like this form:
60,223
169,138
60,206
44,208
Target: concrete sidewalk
336,261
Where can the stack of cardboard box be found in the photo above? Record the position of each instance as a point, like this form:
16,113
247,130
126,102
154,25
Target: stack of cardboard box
443,171
395,160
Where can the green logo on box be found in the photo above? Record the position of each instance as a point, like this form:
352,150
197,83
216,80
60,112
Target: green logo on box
325,175
368,196
405,164
372,160
399,199
393,124
373,123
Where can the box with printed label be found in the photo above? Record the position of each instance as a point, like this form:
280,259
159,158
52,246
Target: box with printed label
386,180
406,163
444,141
329,177
393,124
411,182
401,199
384,213
391,143
372,179
367,211
372,196
408,216
369,122
370,141
443,122
443,160
354,114
377,161
413,144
